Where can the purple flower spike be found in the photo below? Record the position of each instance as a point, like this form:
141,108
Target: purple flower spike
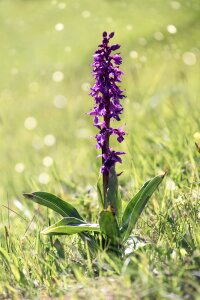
107,95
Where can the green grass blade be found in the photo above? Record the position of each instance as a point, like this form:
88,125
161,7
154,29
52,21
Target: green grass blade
100,191
130,206
90,241
149,189
13,268
68,226
55,203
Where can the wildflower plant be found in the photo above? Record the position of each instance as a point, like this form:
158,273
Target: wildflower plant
115,226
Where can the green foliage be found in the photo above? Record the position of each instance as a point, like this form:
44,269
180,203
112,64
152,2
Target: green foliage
113,198
109,226
11,263
100,192
109,220
64,208
130,206
69,226
130,217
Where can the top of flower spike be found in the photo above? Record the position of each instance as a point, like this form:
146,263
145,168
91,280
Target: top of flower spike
105,41
110,35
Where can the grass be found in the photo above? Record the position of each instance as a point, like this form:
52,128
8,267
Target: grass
161,116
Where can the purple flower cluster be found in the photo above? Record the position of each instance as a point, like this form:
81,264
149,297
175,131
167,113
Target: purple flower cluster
107,95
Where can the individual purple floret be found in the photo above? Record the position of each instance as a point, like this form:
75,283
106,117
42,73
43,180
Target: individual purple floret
107,95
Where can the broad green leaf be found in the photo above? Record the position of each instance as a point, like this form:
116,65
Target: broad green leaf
49,200
108,225
64,209
68,226
130,206
100,191
113,198
140,205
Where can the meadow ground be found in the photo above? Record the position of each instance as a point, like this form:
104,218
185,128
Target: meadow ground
45,144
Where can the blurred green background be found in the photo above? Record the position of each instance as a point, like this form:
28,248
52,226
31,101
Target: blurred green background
46,50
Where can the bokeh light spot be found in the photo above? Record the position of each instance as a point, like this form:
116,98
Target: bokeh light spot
30,123
85,87
47,161
49,140
59,26
19,167
14,71
129,27
142,41
175,5
189,58
34,86
158,36
86,14
59,101
61,5
133,54
171,29
58,76
43,178
68,49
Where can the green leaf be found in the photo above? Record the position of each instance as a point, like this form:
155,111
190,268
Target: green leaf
49,200
108,225
130,206
68,226
64,209
139,205
113,198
